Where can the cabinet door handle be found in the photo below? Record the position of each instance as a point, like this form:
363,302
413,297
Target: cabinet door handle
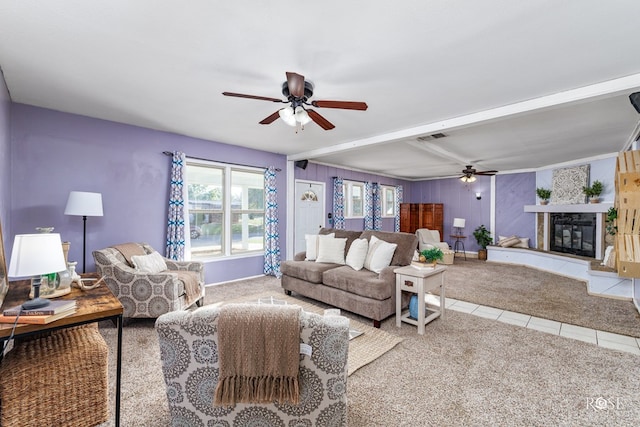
408,283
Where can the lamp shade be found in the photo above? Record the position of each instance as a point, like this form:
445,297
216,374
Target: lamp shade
286,114
458,222
302,116
84,204
36,254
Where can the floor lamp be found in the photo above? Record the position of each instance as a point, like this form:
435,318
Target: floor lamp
82,203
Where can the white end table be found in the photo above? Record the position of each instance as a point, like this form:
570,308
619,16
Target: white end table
419,281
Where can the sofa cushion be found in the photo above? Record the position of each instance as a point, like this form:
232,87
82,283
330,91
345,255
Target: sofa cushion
351,235
312,243
331,250
364,282
379,254
309,271
357,254
407,244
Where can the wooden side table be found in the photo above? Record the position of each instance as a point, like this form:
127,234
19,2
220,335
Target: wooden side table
419,281
91,306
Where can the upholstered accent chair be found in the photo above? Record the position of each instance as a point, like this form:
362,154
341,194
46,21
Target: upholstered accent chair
150,294
428,239
189,354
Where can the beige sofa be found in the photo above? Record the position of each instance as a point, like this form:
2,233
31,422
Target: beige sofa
363,292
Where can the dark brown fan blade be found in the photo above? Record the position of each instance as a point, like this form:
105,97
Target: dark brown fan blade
295,82
272,118
489,173
262,98
321,121
345,105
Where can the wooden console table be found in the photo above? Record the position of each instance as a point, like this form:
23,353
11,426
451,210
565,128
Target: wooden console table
418,281
91,306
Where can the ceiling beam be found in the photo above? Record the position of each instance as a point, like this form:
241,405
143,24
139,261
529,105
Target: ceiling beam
583,94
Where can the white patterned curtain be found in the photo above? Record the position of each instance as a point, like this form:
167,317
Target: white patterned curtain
176,224
369,197
377,206
398,201
271,237
338,203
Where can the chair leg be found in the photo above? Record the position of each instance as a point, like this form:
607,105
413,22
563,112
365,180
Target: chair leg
287,292
200,302
376,324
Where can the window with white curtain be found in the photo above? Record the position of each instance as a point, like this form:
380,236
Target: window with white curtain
353,199
226,209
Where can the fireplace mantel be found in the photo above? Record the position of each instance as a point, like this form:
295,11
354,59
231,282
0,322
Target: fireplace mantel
577,208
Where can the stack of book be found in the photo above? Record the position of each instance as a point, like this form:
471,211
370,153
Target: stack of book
57,309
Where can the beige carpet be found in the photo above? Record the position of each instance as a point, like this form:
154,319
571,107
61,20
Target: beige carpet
465,370
538,293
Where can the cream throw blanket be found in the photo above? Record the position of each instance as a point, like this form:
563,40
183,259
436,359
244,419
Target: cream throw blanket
259,347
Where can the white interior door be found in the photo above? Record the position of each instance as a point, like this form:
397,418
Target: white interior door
309,207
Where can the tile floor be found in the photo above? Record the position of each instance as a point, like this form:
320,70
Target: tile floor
600,338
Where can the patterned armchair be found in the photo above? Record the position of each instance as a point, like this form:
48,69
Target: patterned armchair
146,295
190,364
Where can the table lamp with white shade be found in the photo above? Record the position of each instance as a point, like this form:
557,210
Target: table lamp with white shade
34,255
458,224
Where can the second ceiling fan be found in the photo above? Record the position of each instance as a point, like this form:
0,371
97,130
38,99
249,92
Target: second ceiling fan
298,91
469,174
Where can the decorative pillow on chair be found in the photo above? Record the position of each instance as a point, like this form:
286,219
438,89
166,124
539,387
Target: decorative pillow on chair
357,254
331,250
152,263
312,245
379,254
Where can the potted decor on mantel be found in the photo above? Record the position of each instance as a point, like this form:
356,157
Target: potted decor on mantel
483,238
593,192
544,194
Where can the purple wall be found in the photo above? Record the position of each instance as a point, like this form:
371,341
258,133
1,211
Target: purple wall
54,153
5,163
459,201
513,191
322,173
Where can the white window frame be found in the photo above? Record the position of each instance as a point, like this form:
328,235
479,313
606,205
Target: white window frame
227,211
383,200
348,200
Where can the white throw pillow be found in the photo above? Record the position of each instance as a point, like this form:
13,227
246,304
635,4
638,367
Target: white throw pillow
357,254
331,250
312,245
151,263
379,254
524,243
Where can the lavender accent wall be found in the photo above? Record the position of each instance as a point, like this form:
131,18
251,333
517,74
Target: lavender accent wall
459,201
5,164
323,173
54,153
513,191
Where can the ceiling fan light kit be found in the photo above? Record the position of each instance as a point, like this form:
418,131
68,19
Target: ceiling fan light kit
469,174
298,91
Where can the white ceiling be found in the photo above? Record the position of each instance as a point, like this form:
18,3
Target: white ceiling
513,85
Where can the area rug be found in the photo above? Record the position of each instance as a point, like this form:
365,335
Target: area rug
539,293
363,349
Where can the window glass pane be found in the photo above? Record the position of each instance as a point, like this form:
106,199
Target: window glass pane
205,189
356,200
247,211
389,201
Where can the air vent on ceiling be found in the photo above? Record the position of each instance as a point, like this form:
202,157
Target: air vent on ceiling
432,136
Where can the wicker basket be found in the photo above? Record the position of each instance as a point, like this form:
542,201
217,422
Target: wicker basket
58,379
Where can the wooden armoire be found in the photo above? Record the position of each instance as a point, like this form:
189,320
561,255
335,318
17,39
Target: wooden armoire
421,215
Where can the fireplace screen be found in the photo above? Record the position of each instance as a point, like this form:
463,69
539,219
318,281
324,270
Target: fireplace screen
574,233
